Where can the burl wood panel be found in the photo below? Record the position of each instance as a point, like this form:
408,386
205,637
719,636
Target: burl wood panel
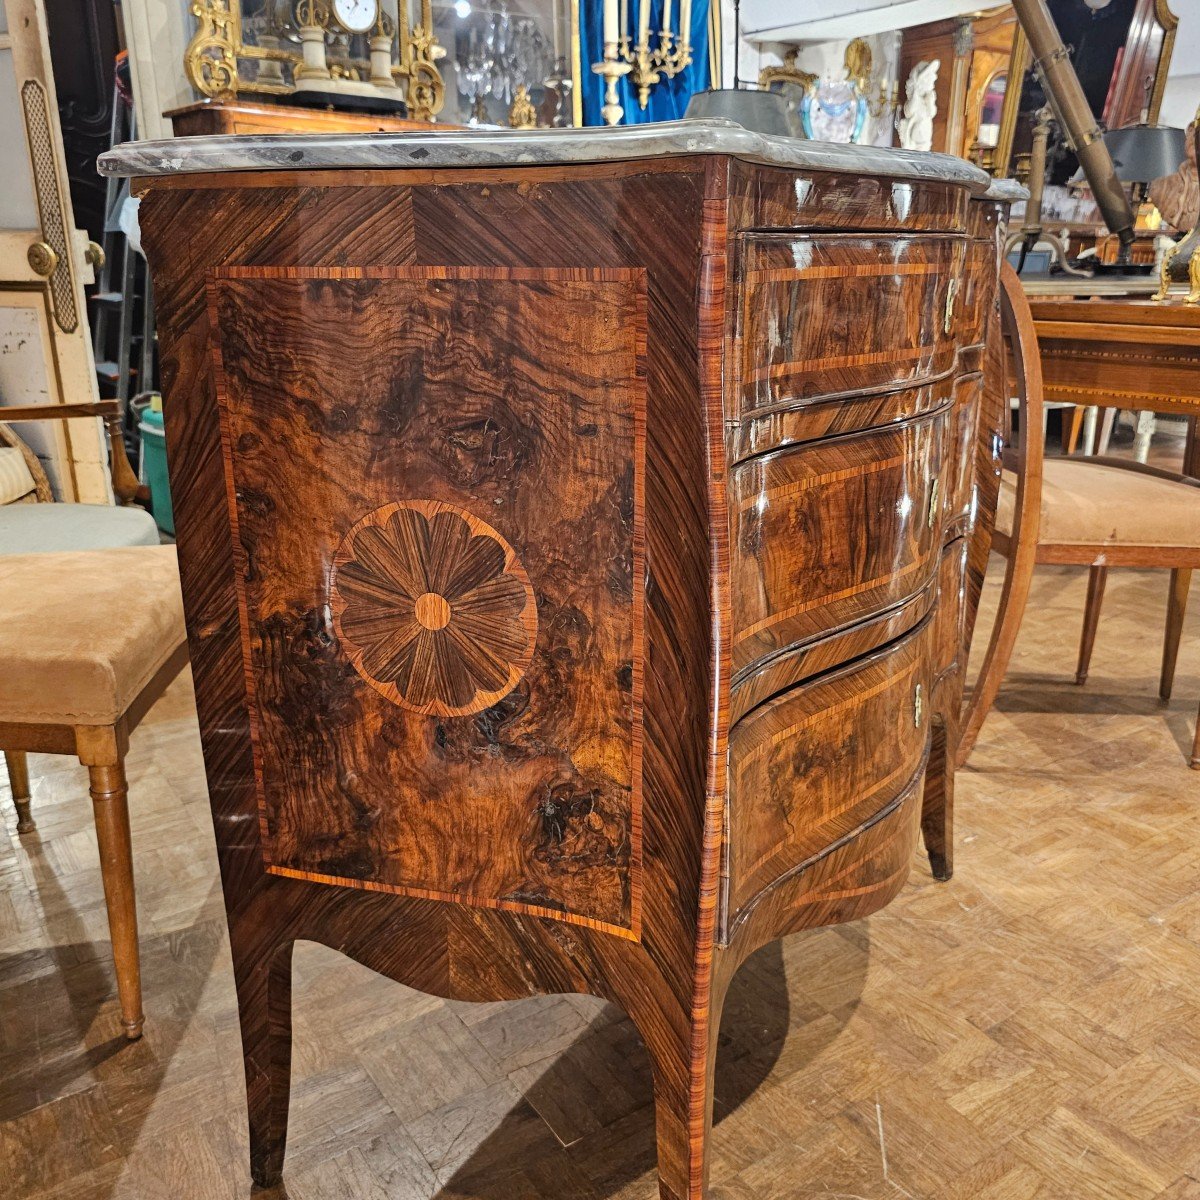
828,534
826,315
376,595
808,769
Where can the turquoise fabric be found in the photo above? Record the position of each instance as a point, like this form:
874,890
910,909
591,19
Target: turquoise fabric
669,97
49,528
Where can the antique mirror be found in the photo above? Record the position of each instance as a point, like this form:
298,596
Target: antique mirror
1121,51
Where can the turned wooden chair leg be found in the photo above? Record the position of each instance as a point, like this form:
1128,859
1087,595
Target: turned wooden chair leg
937,804
1097,577
1071,434
1181,579
110,804
18,779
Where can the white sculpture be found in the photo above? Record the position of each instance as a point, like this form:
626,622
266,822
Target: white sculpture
916,126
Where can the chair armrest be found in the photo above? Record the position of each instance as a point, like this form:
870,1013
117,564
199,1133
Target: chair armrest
124,480
58,412
1127,464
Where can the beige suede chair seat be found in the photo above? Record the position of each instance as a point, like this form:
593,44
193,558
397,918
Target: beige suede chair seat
85,632
88,641
1088,501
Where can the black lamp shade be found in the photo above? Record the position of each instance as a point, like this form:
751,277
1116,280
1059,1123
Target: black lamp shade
1142,153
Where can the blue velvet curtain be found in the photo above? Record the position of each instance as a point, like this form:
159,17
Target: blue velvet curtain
669,97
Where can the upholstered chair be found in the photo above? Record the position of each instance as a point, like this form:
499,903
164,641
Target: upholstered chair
1100,513
93,633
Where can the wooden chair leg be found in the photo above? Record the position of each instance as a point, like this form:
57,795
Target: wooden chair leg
1097,577
937,804
1181,579
110,804
1072,433
18,779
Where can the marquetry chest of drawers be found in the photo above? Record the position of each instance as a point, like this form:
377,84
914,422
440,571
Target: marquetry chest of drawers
574,536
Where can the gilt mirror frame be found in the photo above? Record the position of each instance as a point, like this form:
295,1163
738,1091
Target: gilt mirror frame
218,49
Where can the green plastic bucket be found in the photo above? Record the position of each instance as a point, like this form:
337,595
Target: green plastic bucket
154,464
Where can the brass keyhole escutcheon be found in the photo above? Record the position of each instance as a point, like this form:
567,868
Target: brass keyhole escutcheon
934,495
951,299
43,258
918,705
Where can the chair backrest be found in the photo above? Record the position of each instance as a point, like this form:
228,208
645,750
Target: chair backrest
1021,455
13,482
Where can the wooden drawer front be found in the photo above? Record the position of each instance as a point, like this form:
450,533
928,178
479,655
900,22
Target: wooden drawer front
810,768
960,470
947,621
975,292
828,534
834,314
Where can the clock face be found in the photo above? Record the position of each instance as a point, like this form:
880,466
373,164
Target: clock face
356,16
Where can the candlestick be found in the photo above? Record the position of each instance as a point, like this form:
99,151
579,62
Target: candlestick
610,23
611,69
643,22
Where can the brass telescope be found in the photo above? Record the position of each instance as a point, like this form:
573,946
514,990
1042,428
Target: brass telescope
1053,67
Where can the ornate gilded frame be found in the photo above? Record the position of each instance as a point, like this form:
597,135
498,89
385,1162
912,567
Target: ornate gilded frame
212,58
1020,64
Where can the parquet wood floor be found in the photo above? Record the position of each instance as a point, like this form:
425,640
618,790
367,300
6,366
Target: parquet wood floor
1029,1031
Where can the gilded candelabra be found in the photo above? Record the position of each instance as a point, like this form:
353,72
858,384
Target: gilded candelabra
645,63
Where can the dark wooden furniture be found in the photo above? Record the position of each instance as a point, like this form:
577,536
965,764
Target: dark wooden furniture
573,557
1104,512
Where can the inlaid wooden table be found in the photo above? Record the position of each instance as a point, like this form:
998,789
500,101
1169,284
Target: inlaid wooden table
572,529
1123,352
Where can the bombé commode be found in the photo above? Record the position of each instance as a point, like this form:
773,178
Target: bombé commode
575,531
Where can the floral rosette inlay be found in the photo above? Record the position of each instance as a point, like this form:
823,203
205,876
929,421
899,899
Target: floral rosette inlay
433,607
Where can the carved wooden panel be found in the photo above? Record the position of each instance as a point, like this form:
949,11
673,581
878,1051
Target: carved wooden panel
830,533
821,316
813,766
443,658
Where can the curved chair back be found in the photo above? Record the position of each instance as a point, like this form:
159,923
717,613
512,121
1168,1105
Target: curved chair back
1023,456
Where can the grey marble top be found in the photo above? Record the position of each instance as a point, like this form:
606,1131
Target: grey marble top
1008,190
535,147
